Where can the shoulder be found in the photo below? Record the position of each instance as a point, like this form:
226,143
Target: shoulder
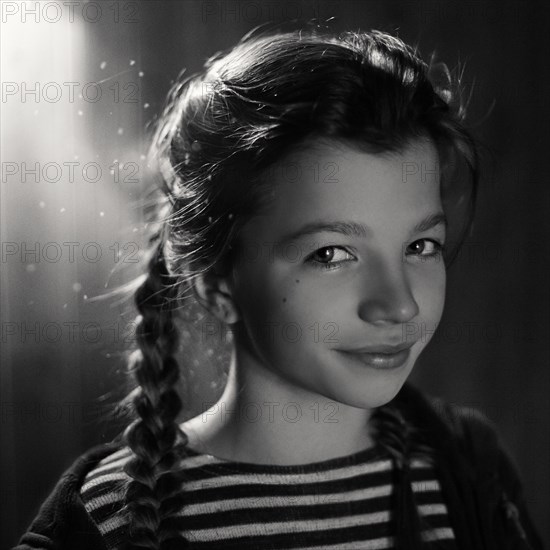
464,434
106,474
68,485
493,469
61,521
103,491
103,488
467,424
458,431
447,419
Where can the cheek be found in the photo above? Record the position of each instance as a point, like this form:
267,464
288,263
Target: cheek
430,294
285,305
262,298
281,315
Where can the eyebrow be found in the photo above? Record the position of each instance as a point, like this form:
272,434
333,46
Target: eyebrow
354,229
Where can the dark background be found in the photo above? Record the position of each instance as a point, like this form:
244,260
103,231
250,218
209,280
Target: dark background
61,350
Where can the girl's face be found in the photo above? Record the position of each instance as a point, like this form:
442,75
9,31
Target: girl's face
347,257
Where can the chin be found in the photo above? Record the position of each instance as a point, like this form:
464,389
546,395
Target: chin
376,397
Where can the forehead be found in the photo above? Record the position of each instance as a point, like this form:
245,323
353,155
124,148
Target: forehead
334,181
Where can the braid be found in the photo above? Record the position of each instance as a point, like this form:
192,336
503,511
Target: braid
154,437
398,437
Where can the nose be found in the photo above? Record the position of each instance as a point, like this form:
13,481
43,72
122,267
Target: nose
388,298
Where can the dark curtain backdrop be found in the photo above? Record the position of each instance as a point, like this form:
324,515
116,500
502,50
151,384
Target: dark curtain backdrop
491,351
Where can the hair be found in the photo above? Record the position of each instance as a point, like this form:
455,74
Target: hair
220,130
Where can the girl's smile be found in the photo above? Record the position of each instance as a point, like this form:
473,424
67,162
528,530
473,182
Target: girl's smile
389,359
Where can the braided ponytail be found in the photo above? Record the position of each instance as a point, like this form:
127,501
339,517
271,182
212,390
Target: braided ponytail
154,437
402,441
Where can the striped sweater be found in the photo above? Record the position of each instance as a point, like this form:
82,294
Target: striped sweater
341,503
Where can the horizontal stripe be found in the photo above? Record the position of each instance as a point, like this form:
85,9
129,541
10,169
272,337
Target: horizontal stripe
299,478
432,509
271,501
285,526
110,500
428,485
114,479
111,524
262,502
420,464
116,465
373,544
438,534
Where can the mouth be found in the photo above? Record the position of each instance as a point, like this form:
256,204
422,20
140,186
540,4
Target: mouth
382,356
382,348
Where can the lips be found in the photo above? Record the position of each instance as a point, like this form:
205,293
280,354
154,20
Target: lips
381,356
386,349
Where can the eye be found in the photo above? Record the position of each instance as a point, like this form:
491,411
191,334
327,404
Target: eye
329,257
425,248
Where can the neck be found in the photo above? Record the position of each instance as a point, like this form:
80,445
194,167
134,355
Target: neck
262,419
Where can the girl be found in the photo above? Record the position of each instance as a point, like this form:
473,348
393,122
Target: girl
315,187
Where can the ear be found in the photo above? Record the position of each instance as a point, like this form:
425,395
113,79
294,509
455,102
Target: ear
214,293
